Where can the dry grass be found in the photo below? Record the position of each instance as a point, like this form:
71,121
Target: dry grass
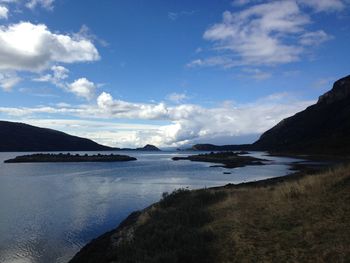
305,220
301,221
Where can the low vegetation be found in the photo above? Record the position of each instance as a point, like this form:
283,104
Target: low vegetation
60,157
302,220
227,159
307,220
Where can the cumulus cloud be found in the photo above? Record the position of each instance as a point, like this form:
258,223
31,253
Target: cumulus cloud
269,33
29,47
185,123
190,122
123,109
3,12
82,88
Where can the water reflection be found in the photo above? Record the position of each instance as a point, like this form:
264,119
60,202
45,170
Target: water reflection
49,211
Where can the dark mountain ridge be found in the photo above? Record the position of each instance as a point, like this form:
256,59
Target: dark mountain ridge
20,137
212,147
323,128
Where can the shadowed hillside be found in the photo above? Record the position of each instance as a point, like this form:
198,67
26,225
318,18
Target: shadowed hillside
323,128
23,137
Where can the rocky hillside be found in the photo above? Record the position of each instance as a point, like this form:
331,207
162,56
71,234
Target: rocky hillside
323,128
19,137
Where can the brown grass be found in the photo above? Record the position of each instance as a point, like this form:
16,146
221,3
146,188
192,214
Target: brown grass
303,219
307,220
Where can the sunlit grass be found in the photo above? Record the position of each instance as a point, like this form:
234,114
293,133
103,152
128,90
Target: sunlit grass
307,220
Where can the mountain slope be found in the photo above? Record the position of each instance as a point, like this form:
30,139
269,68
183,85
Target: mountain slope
23,137
323,128
212,147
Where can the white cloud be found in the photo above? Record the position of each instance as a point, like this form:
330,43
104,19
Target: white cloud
244,2
82,88
3,12
177,97
47,4
270,33
256,34
123,109
58,75
314,38
186,123
104,132
192,122
29,47
317,5
324,5
8,80
256,73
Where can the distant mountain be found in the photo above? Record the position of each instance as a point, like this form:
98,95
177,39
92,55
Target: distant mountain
323,128
148,147
212,147
23,137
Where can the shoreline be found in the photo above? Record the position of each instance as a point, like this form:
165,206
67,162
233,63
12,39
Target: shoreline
125,230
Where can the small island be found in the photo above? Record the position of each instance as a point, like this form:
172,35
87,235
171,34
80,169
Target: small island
60,157
227,159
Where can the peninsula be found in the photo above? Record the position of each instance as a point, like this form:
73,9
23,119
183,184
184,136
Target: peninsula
59,158
21,137
227,159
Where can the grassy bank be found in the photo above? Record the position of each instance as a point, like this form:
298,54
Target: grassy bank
306,219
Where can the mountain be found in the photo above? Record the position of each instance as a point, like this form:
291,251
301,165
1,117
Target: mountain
23,137
212,147
323,128
148,147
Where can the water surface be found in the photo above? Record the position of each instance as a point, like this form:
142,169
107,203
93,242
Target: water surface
48,211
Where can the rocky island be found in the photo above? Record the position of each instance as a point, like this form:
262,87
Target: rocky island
227,159
59,158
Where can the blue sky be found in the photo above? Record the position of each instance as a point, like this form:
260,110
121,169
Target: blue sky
170,73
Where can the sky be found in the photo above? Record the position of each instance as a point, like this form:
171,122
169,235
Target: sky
168,73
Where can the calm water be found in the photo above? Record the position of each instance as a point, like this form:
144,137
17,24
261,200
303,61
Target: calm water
49,211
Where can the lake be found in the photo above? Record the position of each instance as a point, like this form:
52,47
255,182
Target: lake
48,211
